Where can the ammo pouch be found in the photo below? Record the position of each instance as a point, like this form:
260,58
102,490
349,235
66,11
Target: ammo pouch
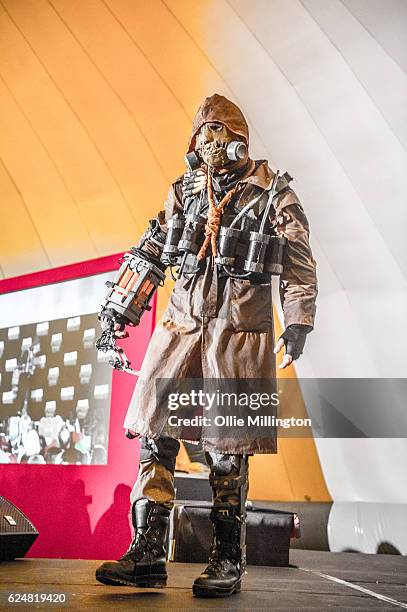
244,252
250,251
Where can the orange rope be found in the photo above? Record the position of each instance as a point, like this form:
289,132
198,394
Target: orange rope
214,217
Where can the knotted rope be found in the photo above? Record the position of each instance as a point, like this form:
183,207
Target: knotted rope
214,216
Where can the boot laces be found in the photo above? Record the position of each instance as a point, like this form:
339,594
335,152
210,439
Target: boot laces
221,555
137,548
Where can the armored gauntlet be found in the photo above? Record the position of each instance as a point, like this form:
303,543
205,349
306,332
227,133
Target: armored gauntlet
128,297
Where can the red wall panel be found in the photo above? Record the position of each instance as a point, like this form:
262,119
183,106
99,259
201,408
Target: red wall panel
82,511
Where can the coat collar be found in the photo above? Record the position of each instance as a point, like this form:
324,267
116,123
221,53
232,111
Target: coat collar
262,176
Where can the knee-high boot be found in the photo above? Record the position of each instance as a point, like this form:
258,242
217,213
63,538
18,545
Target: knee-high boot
143,565
227,558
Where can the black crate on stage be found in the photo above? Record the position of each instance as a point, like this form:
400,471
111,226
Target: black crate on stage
268,534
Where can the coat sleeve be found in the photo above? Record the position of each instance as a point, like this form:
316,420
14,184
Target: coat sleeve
153,239
298,281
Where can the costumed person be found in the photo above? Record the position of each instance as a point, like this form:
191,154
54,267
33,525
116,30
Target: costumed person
230,223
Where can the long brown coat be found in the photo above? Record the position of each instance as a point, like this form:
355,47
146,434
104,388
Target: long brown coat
223,328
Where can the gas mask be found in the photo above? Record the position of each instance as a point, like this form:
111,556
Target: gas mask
218,147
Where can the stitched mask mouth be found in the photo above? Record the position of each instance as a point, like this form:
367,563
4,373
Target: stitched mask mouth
214,153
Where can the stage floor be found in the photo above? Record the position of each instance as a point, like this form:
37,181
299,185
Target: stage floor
315,581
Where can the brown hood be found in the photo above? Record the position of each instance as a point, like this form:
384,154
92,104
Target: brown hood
219,108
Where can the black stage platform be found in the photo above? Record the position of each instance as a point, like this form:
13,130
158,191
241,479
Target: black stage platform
320,580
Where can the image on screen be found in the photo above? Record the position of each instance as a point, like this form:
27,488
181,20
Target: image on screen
55,393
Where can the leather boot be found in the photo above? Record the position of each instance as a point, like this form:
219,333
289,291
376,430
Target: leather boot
227,557
222,577
143,565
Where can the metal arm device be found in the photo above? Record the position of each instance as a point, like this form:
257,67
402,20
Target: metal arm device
127,299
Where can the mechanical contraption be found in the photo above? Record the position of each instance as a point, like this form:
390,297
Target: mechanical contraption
128,297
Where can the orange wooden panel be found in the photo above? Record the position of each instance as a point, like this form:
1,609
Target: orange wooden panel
149,99
84,172
173,53
293,474
50,205
268,478
108,122
21,248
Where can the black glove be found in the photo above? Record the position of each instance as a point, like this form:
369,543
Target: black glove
294,339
